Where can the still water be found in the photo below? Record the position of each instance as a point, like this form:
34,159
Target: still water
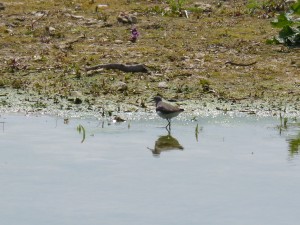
233,171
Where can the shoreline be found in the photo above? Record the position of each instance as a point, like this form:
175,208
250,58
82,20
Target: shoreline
16,101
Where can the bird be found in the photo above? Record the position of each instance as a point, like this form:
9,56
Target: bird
166,110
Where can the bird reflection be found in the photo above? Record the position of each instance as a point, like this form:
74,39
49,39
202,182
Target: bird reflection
165,143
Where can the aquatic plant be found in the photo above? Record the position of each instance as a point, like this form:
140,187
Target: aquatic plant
197,132
80,130
283,123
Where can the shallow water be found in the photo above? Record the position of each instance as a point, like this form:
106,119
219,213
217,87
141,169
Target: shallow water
240,170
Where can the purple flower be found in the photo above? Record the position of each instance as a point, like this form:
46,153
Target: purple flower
134,34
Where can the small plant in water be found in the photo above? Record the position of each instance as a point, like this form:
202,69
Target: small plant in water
80,130
283,123
197,132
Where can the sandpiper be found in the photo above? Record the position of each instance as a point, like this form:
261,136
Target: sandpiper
166,110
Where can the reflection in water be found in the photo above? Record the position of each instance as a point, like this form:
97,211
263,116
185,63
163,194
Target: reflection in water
294,141
294,144
2,125
166,143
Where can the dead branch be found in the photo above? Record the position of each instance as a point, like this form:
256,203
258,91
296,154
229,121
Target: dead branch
116,66
240,64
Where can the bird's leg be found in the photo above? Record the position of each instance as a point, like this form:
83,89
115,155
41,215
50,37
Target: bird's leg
168,127
167,124
169,132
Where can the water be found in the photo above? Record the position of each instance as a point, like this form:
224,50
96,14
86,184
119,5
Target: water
238,170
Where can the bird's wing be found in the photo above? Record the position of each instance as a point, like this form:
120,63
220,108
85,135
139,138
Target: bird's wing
170,109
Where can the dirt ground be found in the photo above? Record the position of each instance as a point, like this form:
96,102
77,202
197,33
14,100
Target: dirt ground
217,55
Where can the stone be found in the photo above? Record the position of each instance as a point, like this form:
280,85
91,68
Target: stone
76,94
162,84
37,57
118,42
77,17
127,18
133,19
101,6
50,30
290,2
120,86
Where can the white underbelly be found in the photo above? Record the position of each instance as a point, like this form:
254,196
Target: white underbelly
167,116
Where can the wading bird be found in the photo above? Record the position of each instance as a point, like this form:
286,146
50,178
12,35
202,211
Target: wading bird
166,110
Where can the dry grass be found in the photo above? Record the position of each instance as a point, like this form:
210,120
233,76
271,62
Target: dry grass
182,52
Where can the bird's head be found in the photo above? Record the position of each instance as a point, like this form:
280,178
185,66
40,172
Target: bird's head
157,99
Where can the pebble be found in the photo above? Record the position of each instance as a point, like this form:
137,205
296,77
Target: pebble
101,6
162,84
118,42
76,94
127,18
121,86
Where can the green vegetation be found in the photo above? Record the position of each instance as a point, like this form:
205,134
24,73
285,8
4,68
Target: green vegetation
286,125
197,132
267,8
176,5
80,130
290,27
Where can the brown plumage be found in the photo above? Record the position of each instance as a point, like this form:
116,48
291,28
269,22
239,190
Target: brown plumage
166,110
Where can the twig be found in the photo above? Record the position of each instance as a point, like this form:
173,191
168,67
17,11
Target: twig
240,64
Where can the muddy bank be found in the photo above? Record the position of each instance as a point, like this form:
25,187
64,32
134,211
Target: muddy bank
213,61
16,101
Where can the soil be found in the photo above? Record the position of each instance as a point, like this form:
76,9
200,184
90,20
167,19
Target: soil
217,59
